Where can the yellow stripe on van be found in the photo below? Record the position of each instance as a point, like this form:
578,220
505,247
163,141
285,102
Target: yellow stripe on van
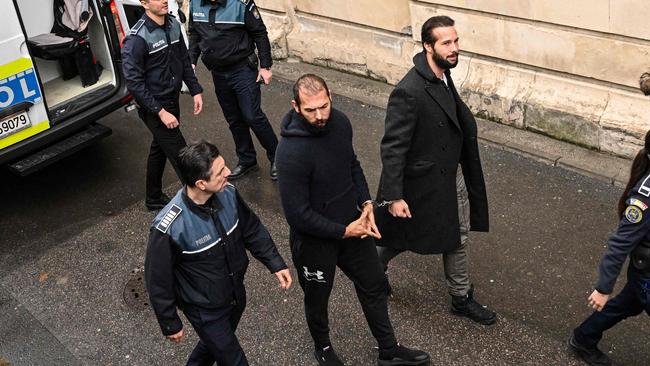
15,67
28,132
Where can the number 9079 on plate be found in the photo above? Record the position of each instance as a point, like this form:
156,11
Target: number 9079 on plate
13,124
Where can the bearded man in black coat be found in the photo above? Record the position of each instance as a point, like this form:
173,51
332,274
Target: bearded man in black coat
432,180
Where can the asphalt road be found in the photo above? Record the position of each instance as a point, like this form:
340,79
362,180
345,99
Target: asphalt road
74,234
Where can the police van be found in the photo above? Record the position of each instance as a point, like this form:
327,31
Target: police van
60,71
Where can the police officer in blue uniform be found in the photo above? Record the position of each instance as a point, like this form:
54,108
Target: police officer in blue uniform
196,258
155,64
632,238
225,34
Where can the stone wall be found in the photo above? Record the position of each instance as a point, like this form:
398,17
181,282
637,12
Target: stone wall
567,69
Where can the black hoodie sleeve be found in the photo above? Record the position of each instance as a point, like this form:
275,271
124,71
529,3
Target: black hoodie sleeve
257,31
358,178
257,239
159,278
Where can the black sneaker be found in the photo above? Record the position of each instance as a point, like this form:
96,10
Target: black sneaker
400,355
241,170
327,357
157,203
468,307
592,356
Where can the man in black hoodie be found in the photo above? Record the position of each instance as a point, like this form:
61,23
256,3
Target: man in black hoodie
328,207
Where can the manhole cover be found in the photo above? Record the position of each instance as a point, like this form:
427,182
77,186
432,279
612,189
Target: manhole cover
135,293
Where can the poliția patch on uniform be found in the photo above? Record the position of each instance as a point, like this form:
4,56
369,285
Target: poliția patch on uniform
169,217
633,214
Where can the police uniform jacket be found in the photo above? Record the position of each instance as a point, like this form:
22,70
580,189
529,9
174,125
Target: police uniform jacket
197,254
226,33
632,238
320,179
429,132
155,63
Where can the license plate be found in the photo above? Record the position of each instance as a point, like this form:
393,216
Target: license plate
13,124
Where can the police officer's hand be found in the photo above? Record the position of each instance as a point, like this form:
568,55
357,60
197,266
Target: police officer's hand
198,103
597,300
177,338
369,214
168,119
266,75
400,209
284,277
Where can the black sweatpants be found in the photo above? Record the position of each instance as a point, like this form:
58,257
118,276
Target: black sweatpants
166,145
316,261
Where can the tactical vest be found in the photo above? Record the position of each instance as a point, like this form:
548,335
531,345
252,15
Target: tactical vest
233,13
158,40
196,233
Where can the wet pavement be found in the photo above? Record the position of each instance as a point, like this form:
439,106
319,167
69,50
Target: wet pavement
74,234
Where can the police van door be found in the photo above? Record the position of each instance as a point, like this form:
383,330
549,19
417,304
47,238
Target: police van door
22,110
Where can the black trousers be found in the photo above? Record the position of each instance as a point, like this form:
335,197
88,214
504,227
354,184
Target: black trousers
166,145
240,99
216,330
631,301
316,261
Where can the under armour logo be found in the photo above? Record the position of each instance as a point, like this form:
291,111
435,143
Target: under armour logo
314,276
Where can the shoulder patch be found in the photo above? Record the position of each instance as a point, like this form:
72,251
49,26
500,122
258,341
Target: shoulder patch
638,203
136,27
633,214
645,187
169,217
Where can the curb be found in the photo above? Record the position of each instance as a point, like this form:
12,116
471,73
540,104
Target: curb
611,169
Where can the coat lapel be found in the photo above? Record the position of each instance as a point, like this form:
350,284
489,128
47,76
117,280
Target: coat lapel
440,95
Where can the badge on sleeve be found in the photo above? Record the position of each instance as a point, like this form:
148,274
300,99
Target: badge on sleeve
633,214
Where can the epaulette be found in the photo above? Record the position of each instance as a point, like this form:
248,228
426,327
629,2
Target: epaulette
168,218
136,27
644,189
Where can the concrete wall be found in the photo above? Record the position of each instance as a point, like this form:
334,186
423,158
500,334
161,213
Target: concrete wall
567,69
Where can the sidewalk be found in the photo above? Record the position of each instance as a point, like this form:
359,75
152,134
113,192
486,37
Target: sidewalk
611,169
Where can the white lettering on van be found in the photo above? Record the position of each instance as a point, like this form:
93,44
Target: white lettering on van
197,14
26,92
10,96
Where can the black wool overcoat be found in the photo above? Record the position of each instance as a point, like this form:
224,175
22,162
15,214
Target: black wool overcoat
428,134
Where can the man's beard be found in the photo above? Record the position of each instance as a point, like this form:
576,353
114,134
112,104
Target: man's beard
442,62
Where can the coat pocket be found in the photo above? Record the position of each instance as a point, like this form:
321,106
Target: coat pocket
418,168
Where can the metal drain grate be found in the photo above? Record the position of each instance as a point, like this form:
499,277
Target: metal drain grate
135,294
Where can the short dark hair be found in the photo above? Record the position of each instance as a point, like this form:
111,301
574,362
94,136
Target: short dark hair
195,161
310,83
433,23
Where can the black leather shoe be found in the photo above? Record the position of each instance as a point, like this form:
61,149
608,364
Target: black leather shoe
157,203
274,172
327,357
592,356
241,170
468,307
400,355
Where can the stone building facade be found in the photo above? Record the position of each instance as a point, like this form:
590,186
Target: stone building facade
564,68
